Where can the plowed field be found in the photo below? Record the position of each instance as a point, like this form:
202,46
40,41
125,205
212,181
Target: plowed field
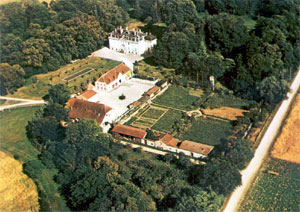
287,146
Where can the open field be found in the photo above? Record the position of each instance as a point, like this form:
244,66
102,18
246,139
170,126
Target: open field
177,97
147,68
78,74
208,131
38,86
18,192
277,188
13,140
287,145
225,112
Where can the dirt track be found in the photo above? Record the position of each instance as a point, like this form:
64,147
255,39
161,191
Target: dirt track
287,146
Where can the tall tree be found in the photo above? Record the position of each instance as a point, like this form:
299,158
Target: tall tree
11,78
59,94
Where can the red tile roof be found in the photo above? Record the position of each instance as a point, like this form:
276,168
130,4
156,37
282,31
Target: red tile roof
196,147
87,110
129,131
152,90
88,94
113,74
169,140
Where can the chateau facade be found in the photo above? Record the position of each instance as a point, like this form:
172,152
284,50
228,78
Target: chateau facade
134,42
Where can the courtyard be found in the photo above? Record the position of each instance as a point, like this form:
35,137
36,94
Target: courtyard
132,90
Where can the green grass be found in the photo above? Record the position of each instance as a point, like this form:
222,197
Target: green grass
13,139
165,123
275,193
36,90
208,131
176,97
218,100
144,122
153,113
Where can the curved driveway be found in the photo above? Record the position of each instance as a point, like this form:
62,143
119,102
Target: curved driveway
250,172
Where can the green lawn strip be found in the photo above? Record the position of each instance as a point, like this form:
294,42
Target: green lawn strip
208,131
218,100
13,140
177,97
275,193
144,122
153,113
167,120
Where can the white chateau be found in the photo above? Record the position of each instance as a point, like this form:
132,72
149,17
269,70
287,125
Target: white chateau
135,42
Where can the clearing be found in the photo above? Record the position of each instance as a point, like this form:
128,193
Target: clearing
13,140
287,145
18,192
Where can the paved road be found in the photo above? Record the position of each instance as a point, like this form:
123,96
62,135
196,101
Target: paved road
25,102
261,152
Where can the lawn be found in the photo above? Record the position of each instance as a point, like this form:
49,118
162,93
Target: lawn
176,97
144,122
165,123
208,131
153,113
217,100
38,86
13,140
275,193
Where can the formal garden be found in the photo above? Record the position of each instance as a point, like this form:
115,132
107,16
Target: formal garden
75,75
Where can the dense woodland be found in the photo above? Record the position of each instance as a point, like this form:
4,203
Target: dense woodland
197,38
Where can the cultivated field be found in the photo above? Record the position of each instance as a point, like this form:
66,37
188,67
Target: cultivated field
225,112
277,188
177,97
38,86
287,146
18,192
216,100
208,131
13,140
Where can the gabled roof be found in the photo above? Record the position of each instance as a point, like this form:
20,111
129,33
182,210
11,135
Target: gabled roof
152,90
196,147
129,131
169,140
87,110
88,94
113,74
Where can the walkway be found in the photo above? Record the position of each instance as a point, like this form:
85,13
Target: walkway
248,174
25,102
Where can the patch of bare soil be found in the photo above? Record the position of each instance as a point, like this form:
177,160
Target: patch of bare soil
287,145
225,112
17,191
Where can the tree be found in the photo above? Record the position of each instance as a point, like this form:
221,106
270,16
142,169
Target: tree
11,78
225,33
222,175
240,153
200,200
59,94
178,12
57,111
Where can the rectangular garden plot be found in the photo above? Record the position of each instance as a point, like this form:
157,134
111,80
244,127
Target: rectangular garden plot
78,74
208,131
165,123
177,97
154,113
143,123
